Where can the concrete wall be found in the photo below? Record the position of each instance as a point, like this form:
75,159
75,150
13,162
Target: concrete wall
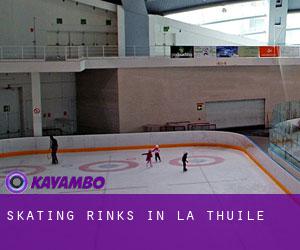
180,33
160,95
17,17
92,142
97,101
58,100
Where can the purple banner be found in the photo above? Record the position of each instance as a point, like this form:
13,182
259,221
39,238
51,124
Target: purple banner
235,222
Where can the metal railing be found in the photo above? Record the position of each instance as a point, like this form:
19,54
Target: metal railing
55,53
65,53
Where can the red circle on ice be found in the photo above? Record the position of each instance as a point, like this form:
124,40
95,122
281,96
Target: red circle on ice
199,161
27,169
108,166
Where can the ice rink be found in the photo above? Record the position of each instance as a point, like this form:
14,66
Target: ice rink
211,170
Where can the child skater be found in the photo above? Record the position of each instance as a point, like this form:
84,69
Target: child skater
156,151
148,158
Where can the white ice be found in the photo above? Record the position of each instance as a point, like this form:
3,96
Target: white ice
236,174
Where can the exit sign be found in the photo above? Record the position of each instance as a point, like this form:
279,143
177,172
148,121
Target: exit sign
6,108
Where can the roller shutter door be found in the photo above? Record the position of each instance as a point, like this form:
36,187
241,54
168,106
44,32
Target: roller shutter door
236,113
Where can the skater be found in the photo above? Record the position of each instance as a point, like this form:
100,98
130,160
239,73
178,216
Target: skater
53,147
148,158
156,151
184,161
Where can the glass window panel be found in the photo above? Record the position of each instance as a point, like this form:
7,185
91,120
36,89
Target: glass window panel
293,37
238,19
259,37
293,20
239,27
221,13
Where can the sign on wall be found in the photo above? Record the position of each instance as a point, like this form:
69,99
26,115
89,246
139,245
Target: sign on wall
227,51
269,51
248,51
200,106
166,28
36,111
182,51
202,51
6,108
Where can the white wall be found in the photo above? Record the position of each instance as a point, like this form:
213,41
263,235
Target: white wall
58,96
16,19
187,34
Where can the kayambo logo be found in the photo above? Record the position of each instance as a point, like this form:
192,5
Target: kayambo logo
17,182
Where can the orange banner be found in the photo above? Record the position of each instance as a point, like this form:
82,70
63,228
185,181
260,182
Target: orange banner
269,51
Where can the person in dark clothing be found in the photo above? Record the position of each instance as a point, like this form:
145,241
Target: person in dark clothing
184,161
53,147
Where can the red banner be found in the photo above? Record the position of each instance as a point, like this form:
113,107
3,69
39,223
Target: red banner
269,51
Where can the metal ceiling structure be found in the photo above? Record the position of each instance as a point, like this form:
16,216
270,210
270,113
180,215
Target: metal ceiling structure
163,7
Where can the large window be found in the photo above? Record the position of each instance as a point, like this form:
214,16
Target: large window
293,29
246,19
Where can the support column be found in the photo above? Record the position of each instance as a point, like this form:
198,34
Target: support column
121,30
36,104
136,28
277,15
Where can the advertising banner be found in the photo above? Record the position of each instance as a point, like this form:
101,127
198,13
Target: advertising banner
269,51
227,51
248,51
160,222
289,51
202,51
182,51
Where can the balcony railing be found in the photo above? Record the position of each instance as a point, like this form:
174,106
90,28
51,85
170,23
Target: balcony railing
55,53
65,53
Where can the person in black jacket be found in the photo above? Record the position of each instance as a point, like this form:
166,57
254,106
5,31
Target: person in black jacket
184,161
53,147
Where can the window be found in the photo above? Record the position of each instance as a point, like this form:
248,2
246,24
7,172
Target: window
293,29
59,20
245,19
258,36
108,22
293,37
292,20
83,21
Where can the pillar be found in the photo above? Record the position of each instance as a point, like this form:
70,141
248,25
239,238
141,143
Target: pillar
36,104
136,28
277,15
121,30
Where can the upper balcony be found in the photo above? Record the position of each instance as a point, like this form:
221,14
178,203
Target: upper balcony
14,59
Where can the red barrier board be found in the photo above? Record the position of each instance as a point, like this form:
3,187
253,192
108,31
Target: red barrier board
269,51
